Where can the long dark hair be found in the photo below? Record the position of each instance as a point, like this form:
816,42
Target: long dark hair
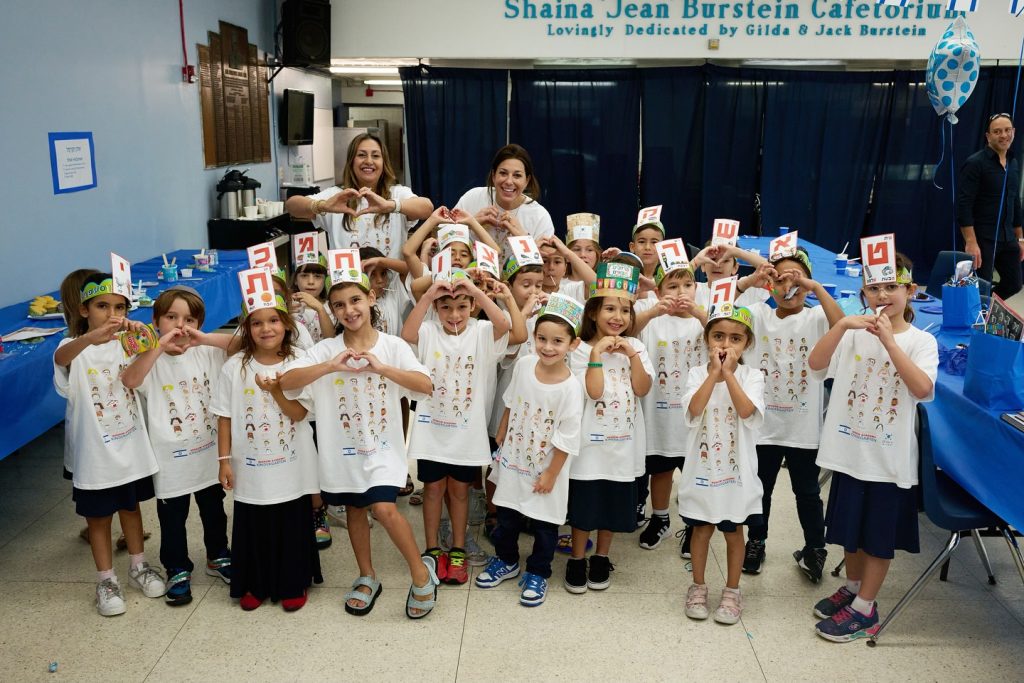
514,151
588,330
384,183
71,300
375,316
287,350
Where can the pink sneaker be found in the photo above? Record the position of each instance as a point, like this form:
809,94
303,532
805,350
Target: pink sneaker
697,601
730,608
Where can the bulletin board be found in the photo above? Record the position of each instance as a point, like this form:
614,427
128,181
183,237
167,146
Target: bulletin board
233,99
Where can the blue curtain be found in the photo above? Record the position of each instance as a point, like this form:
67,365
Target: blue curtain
822,146
455,120
914,191
673,147
731,169
582,129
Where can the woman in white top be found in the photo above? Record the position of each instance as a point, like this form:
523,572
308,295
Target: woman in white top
369,208
508,200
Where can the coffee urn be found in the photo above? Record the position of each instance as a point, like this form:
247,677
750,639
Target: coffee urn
229,193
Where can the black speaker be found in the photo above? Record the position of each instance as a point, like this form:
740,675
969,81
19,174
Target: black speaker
306,28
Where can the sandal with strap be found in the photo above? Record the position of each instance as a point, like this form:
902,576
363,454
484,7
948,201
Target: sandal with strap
408,488
430,588
416,498
368,599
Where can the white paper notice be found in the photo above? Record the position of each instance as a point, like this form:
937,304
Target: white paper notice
74,163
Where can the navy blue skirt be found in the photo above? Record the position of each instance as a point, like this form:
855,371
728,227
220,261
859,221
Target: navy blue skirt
376,494
105,502
876,517
600,504
658,464
726,526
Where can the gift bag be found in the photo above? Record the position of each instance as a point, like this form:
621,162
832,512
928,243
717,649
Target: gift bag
995,371
960,306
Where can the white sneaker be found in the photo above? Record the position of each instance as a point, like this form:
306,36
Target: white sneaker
730,609
148,580
475,555
109,598
697,601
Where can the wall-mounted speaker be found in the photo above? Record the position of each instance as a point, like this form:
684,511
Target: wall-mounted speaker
306,29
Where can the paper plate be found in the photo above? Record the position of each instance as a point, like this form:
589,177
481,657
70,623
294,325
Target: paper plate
46,316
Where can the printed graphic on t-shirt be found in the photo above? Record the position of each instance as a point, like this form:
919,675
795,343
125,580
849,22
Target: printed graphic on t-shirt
269,433
717,448
453,379
370,232
673,360
785,374
115,406
872,402
188,415
529,434
614,414
364,433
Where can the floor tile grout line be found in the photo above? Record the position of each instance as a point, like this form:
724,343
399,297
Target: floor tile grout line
462,638
195,608
50,509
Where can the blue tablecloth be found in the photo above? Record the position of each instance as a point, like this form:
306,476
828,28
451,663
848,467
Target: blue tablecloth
26,370
972,445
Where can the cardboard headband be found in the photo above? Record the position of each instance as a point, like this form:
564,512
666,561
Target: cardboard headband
616,279
95,289
279,304
564,307
797,255
650,224
450,233
660,274
513,266
904,276
727,311
582,226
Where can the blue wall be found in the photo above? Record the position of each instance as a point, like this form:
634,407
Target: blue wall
111,67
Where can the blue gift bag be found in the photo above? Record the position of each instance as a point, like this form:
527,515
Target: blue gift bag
960,306
995,371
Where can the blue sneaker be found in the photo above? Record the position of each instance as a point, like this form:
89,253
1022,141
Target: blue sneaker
179,588
848,625
220,567
495,572
826,608
535,589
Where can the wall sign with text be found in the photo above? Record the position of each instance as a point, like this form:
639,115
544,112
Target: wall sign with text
72,162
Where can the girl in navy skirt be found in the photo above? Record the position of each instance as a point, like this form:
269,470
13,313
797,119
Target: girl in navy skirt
356,382
111,457
883,368
616,371
267,457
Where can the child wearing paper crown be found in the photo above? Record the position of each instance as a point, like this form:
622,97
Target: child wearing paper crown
616,372
175,379
794,402
449,432
456,230
112,460
672,331
722,261
539,435
583,237
391,299
267,457
355,383
870,444
719,486
309,299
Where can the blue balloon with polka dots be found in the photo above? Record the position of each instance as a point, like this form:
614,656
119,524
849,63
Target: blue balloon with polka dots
952,70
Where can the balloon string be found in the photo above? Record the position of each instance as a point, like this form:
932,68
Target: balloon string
952,188
938,164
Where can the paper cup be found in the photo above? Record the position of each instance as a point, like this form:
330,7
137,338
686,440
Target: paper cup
830,288
170,272
186,272
249,211
202,261
853,270
847,294
841,262
783,230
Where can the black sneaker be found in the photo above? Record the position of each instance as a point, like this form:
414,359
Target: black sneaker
657,529
684,535
811,561
576,575
640,519
599,576
753,558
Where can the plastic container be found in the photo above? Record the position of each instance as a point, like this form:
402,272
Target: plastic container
170,272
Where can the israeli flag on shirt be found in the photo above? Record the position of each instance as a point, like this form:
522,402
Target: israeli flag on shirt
1016,7
961,5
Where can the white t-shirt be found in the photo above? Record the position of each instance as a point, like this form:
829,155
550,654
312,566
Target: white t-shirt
534,218
309,319
753,295
869,429
451,425
303,340
177,394
273,458
612,437
793,399
674,345
385,232
394,307
719,480
109,442
504,375
574,288
359,431
542,417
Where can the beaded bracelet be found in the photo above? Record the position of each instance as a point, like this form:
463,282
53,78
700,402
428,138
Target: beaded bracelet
224,457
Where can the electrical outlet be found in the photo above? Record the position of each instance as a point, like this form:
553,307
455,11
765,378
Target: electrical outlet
712,43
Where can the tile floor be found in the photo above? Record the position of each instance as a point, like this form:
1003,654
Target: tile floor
636,630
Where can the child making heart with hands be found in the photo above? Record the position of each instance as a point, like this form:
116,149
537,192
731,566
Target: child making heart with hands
719,485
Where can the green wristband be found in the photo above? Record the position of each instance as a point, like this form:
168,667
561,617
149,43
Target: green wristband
595,365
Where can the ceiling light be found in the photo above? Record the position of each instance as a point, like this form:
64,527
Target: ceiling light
376,70
383,81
